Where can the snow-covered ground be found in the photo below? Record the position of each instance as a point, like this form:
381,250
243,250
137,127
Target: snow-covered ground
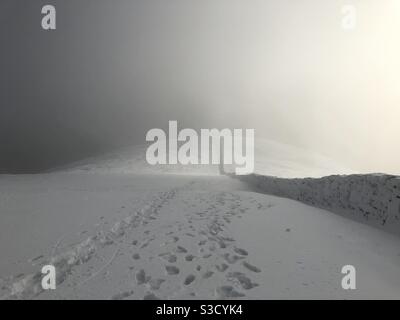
114,231
271,158
369,198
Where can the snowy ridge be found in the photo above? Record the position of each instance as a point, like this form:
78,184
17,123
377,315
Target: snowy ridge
272,158
132,160
372,198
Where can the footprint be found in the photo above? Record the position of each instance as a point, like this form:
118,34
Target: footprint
189,279
136,256
240,251
189,257
171,270
171,258
141,277
222,244
231,259
198,268
144,245
243,280
208,255
228,292
122,295
202,242
208,274
180,249
251,267
222,267
150,296
155,284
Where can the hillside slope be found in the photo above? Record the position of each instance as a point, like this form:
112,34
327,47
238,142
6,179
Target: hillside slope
271,158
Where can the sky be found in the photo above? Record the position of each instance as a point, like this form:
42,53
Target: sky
112,70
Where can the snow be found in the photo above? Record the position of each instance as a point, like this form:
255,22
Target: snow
371,198
133,160
271,158
286,161
118,229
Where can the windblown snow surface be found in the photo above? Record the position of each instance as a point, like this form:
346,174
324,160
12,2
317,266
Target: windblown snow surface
117,228
271,158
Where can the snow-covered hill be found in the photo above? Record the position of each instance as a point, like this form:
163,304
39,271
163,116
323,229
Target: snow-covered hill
132,160
113,233
271,158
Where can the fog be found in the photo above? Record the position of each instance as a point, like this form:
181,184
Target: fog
114,69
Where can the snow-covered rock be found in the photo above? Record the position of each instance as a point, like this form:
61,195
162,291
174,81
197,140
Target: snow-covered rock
374,198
